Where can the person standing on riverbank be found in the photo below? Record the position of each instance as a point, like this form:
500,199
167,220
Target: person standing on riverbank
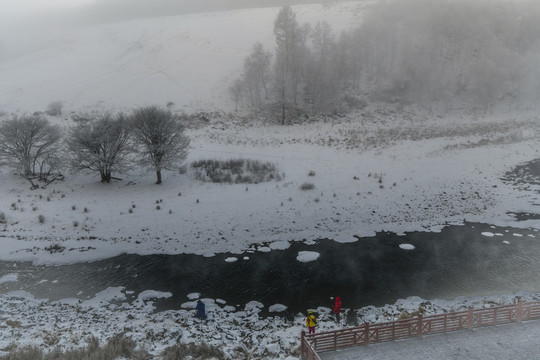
311,322
201,310
337,309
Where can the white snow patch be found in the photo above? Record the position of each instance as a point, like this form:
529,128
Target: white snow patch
517,235
488,234
307,256
506,242
9,278
194,296
280,245
277,308
264,249
152,294
407,246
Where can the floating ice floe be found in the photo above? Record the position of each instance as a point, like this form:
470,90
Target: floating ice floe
277,308
264,249
506,242
9,278
517,235
407,246
307,256
231,259
193,296
280,245
488,234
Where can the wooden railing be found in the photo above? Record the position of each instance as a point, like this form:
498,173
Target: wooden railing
416,327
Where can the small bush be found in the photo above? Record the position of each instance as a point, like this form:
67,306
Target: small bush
158,207
2,218
130,210
193,351
239,171
85,210
54,108
75,223
41,219
307,186
73,207
311,173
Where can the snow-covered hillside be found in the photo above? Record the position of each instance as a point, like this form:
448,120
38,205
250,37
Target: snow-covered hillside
189,60
382,168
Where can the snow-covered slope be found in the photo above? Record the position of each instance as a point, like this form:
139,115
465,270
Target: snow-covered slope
189,60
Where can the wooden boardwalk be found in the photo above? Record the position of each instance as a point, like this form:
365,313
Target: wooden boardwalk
312,345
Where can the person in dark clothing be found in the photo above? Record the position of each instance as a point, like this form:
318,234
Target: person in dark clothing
201,310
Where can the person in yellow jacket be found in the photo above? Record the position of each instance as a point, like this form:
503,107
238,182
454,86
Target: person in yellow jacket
311,322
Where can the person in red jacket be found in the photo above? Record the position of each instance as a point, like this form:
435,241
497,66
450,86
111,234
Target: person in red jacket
337,308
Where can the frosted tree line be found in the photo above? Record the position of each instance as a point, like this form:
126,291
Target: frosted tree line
443,54
150,137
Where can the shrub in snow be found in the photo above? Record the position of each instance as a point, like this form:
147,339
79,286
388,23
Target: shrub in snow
193,351
311,173
235,170
41,219
54,108
2,218
75,223
307,186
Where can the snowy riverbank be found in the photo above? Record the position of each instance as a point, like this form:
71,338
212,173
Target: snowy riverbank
69,323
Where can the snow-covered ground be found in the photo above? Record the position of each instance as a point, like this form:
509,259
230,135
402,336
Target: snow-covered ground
380,168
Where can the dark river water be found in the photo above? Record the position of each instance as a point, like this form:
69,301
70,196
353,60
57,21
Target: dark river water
458,261
375,270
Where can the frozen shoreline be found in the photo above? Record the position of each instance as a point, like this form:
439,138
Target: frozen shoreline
68,323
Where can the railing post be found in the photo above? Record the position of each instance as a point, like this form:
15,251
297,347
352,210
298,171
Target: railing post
519,311
420,325
366,326
470,318
303,345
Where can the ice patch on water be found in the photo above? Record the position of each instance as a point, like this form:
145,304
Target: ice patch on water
280,245
407,246
488,234
9,278
277,308
231,259
307,256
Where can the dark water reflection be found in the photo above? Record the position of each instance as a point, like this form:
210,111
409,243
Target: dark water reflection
458,261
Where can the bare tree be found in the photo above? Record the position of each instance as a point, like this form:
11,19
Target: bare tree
30,144
161,138
236,90
101,145
256,74
286,64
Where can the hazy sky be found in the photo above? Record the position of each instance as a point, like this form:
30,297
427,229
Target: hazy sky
107,10
16,7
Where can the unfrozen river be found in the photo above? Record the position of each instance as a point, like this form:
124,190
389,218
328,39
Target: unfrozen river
473,259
